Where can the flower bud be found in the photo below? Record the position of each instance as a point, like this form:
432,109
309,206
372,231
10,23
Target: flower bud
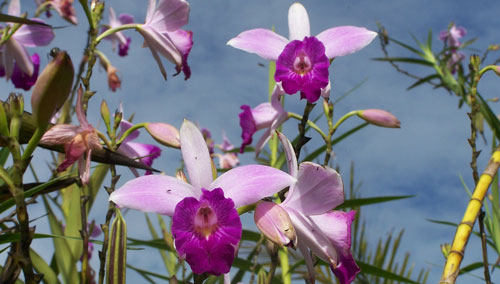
274,222
164,134
105,114
497,70
380,118
52,88
16,104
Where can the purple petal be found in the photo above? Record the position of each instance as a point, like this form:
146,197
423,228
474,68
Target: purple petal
265,43
340,41
170,15
183,41
14,49
290,155
123,47
124,125
153,193
208,248
318,190
34,35
146,152
298,22
310,235
126,19
195,155
336,225
150,10
248,184
248,127
22,80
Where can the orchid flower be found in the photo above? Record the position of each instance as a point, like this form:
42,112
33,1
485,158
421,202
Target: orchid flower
302,60
65,9
205,223
267,116
14,52
452,38
123,42
319,229
146,153
163,34
227,160
77,141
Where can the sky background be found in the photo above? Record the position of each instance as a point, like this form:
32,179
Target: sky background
424,158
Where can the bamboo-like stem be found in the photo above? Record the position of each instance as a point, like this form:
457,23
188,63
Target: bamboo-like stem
464,229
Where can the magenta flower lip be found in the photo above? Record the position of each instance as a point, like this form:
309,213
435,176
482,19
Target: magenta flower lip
205,220
303,66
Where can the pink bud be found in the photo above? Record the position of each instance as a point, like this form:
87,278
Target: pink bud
274,222
497,70
380,118
164,134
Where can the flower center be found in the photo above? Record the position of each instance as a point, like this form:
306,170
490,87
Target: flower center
205,220
302,64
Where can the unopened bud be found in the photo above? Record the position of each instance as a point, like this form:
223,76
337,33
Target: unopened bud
118,119
274,222
105,114
16,104
164,134
380,118
475,62
497,70
52,88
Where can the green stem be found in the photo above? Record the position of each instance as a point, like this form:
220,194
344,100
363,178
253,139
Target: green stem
310,124
111,31
130,130
4,175
343,118
33,143
488,68
42,8
88,13
285,266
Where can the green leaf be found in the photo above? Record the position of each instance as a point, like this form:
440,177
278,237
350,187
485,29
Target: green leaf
10,202
66,262
414,50
13,19
95,182
49,276
472,266
350,203
344,135
423,80
455,225
145,273
72,217
406,60
490,117
372,270
248,235
157,243
350,91
4,155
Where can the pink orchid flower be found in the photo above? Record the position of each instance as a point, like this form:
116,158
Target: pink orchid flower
123,41
15,59
77,141
319,229
65,9
145,153
205,223
302,60
267,116
163,34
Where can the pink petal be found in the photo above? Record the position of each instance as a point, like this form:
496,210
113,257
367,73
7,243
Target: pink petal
164,133
14,8
73,151
290,155
183,41
318,190
150,11
34,35
169,15
298,22
60,134
146,152
18,52
340,41
195,155
80,112
124,126
153,193
126,19
248,184
161,43
265,43
310,235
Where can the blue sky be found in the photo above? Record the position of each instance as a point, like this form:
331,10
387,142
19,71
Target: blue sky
425,157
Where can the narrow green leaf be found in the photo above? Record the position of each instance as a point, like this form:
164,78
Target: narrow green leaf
414,50
148,273
117,252
66,262
350,203
95,182
350,91
72,218
490,116
157,243
13,19
49,276
406,60
335,141
248,235
4,155
423,80
473,266
372,270
429,39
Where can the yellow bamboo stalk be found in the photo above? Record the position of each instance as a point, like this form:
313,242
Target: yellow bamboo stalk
464,229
